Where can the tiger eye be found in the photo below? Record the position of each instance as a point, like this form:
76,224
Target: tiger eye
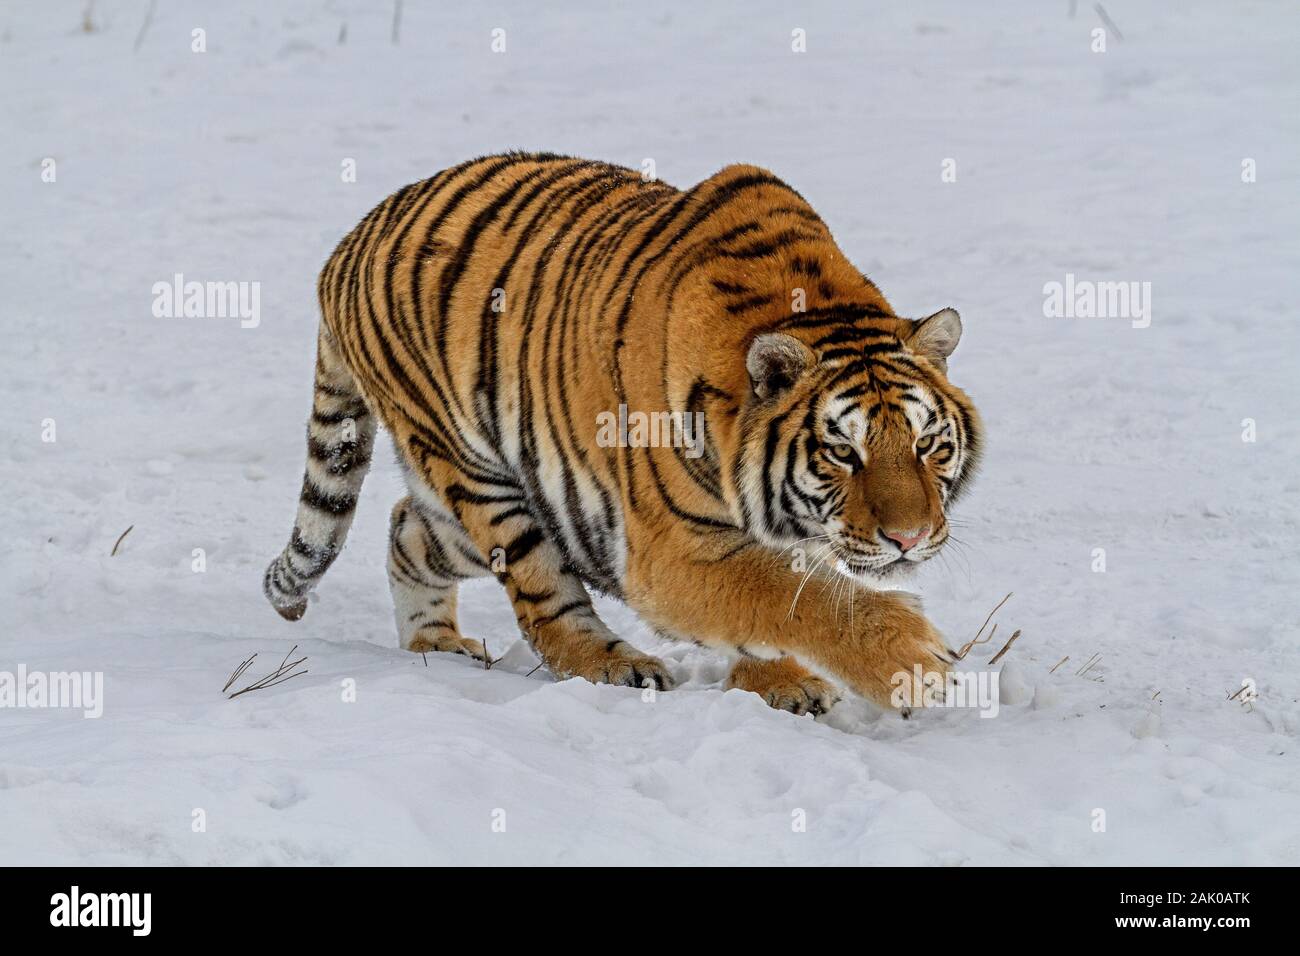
924,443
843,452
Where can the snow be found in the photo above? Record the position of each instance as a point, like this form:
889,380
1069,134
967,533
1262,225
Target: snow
225,166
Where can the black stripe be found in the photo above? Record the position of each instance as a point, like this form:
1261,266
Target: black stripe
322,500
524,545
561,612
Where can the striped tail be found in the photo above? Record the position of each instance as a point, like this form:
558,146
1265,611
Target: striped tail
340,437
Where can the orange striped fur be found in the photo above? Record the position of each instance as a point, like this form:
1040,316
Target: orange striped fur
493,317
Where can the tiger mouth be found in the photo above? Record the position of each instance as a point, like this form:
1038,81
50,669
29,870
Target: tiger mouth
863,565
873,568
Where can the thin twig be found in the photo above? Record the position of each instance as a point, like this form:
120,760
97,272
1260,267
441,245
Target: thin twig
1006,647
961,655
1059,663
1110,24
1088,666
992,612
235,675
535,670
397,22
1238,693
976,640
265,683
113,553
278,676
144,27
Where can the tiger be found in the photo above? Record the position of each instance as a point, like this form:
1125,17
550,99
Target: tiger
491,316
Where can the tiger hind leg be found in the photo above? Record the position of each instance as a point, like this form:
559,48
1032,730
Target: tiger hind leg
550,601
428,557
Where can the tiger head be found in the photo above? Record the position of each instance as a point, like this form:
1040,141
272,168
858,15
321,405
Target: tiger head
853,443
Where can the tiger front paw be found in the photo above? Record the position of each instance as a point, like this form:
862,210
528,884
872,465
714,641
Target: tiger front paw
605,662
784,685
427,639
899,651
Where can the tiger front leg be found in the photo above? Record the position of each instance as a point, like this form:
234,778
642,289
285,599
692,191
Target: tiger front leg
551,603
784,684
744,598
885,649
556,618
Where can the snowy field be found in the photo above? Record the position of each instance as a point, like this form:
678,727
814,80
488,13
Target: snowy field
226,165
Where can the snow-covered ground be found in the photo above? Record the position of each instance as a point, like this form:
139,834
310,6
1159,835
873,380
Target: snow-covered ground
226,165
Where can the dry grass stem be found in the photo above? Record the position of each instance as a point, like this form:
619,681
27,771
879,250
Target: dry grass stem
118,542
1088,666
1005,647
976,639
278,676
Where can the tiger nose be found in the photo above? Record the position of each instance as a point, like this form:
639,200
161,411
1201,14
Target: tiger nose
906,540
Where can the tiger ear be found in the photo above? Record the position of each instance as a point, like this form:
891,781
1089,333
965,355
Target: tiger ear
775,362
936,337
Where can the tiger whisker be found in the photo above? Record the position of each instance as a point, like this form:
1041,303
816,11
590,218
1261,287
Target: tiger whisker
821,557
815,537
844,585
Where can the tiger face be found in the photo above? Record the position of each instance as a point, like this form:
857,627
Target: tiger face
854,443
